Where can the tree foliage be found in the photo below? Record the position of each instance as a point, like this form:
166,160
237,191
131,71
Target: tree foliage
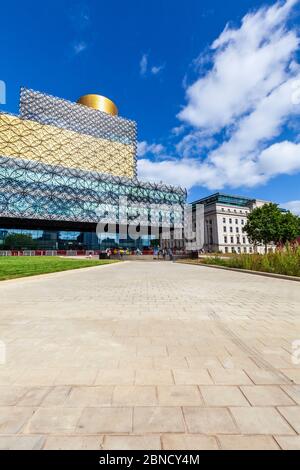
269,224
290,227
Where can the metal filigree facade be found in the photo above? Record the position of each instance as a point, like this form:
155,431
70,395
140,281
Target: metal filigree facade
47,109
38,191
43,143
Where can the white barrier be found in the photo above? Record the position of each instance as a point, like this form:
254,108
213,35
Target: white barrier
71,253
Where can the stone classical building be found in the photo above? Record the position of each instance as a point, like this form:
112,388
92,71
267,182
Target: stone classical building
223,221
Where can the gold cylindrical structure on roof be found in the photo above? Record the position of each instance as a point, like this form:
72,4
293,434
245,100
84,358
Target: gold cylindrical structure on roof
99,102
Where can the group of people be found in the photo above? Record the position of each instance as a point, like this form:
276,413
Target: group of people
163,253
120,252
158,253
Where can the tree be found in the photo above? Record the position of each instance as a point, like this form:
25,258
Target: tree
264,225
290,227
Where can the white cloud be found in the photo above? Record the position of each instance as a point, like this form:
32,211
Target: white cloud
283,157
79,47
156,69
79,16
185,172
293,206
245,99
280,158
194,144
145,67
248,63
178,130
143,148
144,64
241,160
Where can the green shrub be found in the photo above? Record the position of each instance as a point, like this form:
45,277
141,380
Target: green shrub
285,261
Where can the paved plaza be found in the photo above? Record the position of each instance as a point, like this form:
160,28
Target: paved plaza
149,356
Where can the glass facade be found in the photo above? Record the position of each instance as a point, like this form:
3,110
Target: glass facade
225,199
52,240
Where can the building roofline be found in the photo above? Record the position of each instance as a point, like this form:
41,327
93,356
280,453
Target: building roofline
214,198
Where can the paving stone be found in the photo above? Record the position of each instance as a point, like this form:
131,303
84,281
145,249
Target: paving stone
36,377
189,442
53,420
247,443
74,443
132,443
293,391
134,363
237,362
202,362
267,377
223,396
151,351
57,396
209,420
115,377
182,351
10,395
267,395
276,360
288,442
292,415
223,376
21,442
13,419
192,377
157,420
105,420
33,396
260,421
153,377
128,395
179,395
293,375
76,376
89,396
170,363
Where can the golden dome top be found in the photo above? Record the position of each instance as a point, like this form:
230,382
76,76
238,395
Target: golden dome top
99,102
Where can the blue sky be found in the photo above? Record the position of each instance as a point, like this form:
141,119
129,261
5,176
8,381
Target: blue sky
217,109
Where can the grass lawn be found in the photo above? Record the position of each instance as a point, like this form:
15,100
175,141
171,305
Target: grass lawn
12,267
